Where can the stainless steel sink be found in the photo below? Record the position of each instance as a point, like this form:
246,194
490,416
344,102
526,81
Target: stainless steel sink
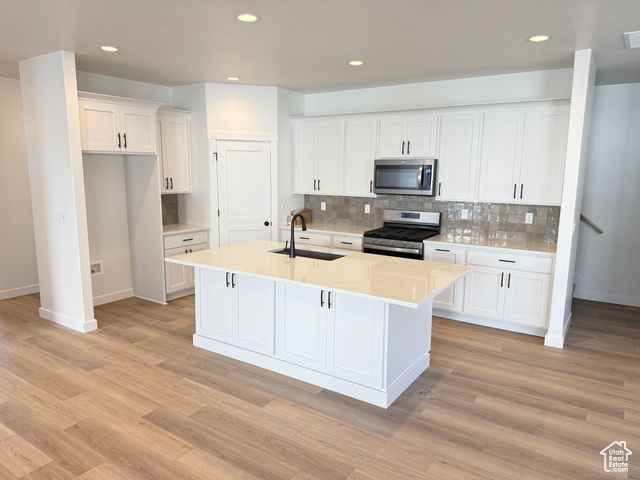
315,254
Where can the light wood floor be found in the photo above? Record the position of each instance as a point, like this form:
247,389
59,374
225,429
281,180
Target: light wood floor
135,400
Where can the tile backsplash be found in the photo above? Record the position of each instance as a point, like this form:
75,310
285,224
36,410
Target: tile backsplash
485,220
169,209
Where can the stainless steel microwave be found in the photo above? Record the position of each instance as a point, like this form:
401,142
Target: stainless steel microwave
405,176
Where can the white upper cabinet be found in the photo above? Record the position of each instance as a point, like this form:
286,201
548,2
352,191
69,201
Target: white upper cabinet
408,136
501,155
523,154
458,159
361,152
319,156
173,151
117,125
543,155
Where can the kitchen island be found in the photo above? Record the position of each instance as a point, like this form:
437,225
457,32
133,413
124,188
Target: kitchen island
359,325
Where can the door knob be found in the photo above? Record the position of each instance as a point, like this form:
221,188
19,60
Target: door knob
266,224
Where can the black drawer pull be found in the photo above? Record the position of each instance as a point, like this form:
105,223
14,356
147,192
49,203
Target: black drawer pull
347,243
187,239
442,250
509,281
507,261
502,279
304,238
227,279
322,298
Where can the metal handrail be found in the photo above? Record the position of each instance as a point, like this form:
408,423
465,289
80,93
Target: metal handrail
591,224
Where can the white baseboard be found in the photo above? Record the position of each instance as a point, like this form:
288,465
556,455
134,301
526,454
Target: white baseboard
180,294
554,340
490,322
112,297
69,322
152,300
18,292
608,298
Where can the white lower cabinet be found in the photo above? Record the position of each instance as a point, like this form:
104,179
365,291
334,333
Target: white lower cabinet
451,298
178,277
527,298
338,334
237,309
484,294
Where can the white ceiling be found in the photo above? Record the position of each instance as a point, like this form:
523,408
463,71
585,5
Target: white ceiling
304,45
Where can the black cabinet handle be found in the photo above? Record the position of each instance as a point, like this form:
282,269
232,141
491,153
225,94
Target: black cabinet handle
227,279
119,143
304,238
408,145
322,298
171,179
439,188
266,224
233,280
314,184
515,186
509,281
166,183
329,302
501,279
190,250
124,135
371,186
403,147
347,243
507,261
186,250
318,184
187,239
521,188
442,250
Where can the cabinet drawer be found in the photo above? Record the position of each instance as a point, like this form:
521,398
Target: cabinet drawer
347,242
510,261
319,239
184,240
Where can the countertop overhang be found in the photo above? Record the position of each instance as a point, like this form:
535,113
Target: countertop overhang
398,281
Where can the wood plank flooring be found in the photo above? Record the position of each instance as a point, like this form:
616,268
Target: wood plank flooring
136,400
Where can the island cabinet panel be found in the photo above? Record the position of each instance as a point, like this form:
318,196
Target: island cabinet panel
355,346
236,309
302,326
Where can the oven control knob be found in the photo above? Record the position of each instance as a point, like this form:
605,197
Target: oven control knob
391,243
404,244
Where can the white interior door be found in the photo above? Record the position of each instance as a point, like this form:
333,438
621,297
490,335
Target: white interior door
244,191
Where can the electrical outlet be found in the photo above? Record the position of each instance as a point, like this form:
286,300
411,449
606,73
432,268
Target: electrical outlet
367,208
528,218
464,214
323,206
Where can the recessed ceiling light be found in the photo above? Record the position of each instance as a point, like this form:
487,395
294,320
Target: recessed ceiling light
356,63
247,17
108,48
539,38
233,79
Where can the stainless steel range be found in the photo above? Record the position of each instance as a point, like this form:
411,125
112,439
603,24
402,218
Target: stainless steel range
402,233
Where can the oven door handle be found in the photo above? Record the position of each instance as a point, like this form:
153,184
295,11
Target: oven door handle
415,251
420,171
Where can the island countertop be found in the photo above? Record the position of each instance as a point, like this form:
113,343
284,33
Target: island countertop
394,280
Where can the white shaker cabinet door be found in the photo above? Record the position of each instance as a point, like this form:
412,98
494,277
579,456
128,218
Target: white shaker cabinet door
527,298
215,308
175,153
331,158
305,156
254,313
458,158
422,136
302,326
139,129
543,155
355,343
360,156
177,277
484,292
100,126
501,156
392,141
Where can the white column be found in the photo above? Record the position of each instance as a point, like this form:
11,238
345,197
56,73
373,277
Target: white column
584,74
52,128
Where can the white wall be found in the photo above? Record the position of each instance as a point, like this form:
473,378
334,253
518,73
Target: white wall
119,87
608,265
18,266
107,223
242,109
574,171
52,131
514,87
289,104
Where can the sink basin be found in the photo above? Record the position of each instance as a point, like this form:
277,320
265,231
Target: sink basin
315,254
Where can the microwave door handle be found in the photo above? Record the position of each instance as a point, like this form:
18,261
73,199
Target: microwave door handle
420,170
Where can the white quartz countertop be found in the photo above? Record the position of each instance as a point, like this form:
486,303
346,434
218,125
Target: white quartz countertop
178,228
330,228
519,245
394,280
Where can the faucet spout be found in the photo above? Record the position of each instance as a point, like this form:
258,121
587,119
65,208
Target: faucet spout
292,251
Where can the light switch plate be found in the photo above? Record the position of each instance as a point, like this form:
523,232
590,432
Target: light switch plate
323,206
367,208
528,218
